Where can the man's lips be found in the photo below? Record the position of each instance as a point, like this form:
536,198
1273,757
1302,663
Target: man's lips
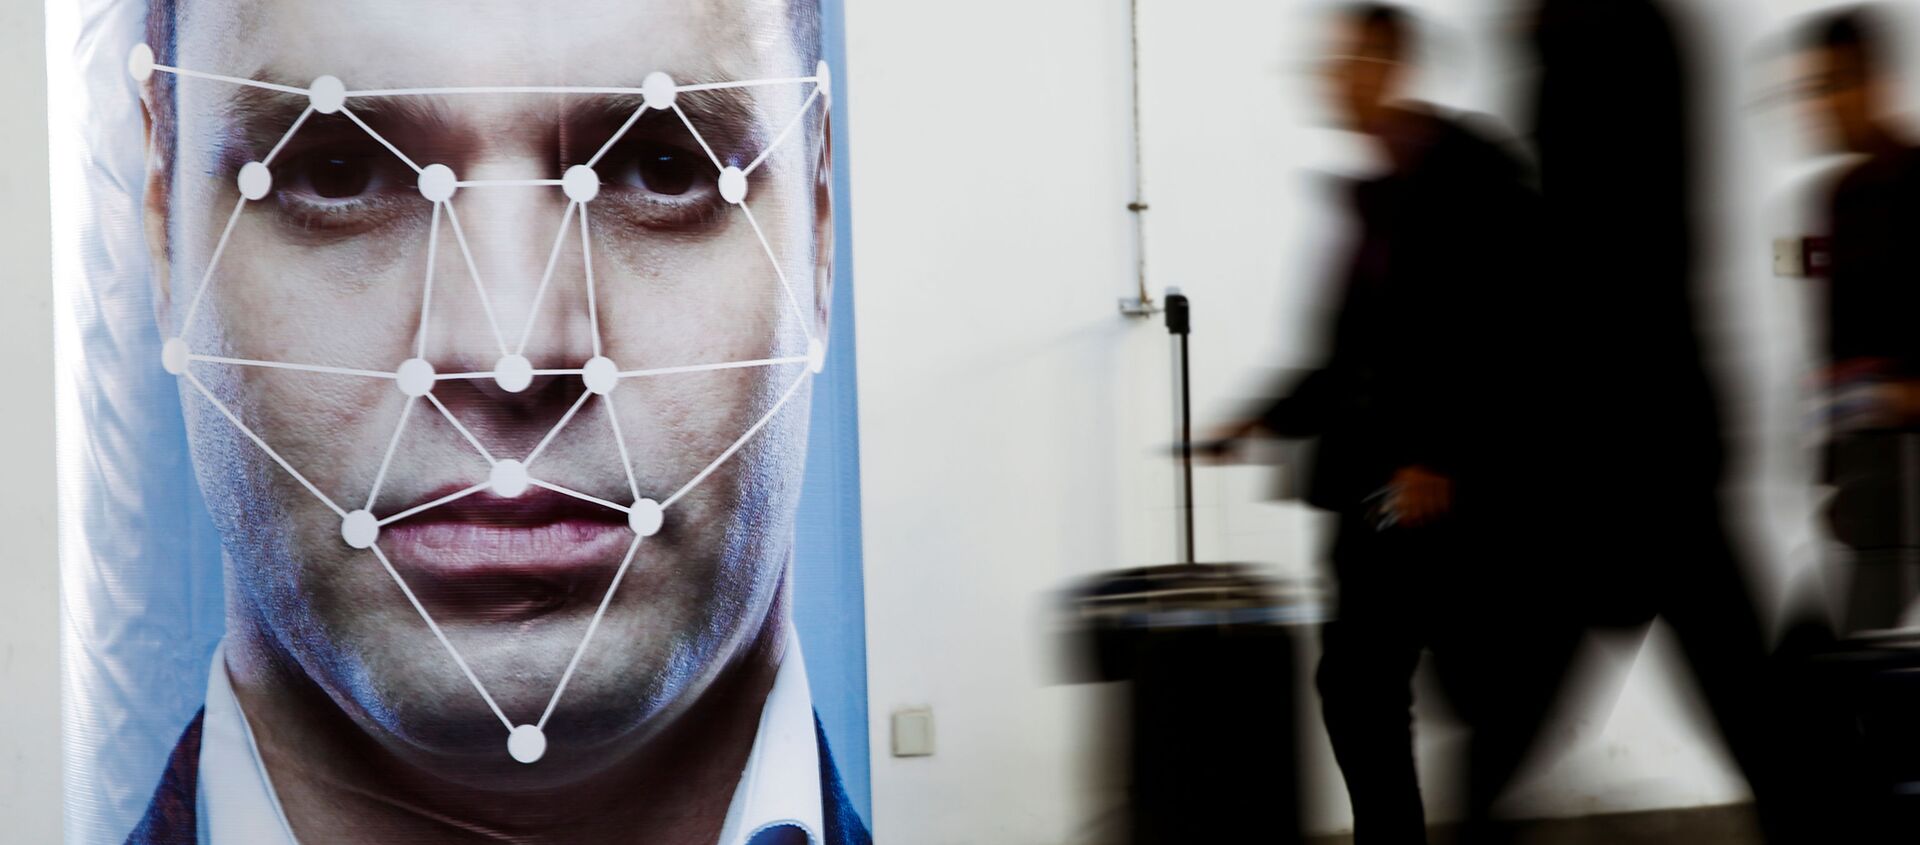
536,534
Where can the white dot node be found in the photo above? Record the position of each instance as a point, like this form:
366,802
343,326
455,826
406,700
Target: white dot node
437,182
824,74
601,375
140,63
527,744
513,373
173,356
816,356
509,479
733,184
580,183
255,180
327,94
360,529
645,517
659,90
415,377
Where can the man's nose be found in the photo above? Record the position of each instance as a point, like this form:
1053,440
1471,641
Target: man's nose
511,261
510,305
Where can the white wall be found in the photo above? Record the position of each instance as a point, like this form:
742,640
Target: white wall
29,608
987,265
1010,417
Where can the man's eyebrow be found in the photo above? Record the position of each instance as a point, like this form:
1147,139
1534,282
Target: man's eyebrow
257,118
727,119
261,117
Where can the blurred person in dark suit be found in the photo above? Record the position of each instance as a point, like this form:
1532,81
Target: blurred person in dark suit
1845,82
1404,411
1843,72
1872,214
1636,414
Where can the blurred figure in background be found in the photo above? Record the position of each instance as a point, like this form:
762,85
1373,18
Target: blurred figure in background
1848,87
1637,431
1844,75
1408,441
1873,216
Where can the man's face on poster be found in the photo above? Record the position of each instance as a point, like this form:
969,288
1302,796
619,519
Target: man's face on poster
330,268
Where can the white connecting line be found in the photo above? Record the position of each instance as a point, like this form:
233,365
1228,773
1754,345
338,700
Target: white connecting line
416,377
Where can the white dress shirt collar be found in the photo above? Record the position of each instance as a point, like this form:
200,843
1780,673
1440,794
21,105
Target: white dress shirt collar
779,786
781,782
236,802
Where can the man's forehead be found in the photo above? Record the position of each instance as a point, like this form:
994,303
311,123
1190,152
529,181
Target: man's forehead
1361,38
432,43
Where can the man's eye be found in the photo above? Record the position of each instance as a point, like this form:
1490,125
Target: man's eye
663,170
332,177
337,189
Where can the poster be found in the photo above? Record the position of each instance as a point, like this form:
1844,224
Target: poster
457,423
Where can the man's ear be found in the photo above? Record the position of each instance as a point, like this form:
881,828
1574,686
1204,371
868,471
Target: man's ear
823,222
155,196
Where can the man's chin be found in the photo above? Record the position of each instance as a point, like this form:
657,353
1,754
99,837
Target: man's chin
461,745
424,703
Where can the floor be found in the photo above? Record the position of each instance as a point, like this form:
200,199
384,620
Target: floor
1728,825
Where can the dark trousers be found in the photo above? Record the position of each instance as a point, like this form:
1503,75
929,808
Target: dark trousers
1685,568
1368,656
1502,610
1447,590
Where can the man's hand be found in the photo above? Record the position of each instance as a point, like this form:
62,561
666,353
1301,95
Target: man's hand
1223,444
1419,496
1904,396
1874,404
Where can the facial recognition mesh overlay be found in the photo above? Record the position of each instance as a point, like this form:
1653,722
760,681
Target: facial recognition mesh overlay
416,377
472,383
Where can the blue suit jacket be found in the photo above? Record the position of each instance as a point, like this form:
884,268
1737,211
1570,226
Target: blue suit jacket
173,816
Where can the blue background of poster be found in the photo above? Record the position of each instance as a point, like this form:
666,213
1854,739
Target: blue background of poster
830,590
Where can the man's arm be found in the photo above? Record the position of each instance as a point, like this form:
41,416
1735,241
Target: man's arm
1304,411
1300,412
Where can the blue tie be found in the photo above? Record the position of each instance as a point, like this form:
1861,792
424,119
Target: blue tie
784,834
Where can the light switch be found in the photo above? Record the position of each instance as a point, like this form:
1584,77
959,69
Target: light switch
913,732
1789,258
